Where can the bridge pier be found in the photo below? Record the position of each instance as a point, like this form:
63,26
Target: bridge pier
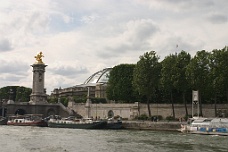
27,108
38,91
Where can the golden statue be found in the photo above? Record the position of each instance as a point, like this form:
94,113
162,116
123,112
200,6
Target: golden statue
39,58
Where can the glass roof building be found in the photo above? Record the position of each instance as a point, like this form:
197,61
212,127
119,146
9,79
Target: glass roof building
99,77
96,82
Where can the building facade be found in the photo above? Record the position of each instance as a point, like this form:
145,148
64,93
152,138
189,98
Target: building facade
96,83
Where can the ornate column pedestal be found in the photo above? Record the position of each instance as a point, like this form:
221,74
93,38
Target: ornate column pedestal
38,95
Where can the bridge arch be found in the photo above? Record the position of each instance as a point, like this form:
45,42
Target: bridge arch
3,112
51,111
20,112
110,114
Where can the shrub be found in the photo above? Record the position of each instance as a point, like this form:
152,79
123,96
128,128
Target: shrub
186,117
142,117
98,100
171,118
156,118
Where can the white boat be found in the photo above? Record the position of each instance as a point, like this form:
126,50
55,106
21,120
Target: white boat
207,126
27,120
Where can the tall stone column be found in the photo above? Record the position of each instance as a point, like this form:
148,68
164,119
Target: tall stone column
38,91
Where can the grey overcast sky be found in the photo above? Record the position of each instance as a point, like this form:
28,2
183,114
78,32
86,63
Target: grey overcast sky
80,37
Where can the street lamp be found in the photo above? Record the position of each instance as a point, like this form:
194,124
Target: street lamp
3,109
2,104
88,102
10,94
10,101
0,95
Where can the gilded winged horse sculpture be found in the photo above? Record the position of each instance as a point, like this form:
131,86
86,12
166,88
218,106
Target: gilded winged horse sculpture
39,57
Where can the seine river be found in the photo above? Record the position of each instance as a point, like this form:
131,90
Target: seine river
36,139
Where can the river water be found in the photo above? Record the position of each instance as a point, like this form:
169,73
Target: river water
37,139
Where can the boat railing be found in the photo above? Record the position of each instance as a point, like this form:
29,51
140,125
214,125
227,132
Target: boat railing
29,117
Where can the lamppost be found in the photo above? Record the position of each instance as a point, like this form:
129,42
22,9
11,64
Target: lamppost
2,101
88,103
96,110
20,94
10,94
3,109
10,101
0,95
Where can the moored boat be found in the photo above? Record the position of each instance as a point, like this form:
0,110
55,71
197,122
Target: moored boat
86,123
113,123
207,126
27,120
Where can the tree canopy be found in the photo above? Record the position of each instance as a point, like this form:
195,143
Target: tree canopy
15,93
120,83
146,76
175,76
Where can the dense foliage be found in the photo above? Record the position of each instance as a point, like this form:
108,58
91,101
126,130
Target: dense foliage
120,83
146,76
173,79
168,73
76,99
15,93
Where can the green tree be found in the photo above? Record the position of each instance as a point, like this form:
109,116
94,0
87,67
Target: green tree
215,80
23,94
146,76
8,92
197,74
64,101
98,100
218,75
119,86
4,93
179,79
52,100
80,99
168,75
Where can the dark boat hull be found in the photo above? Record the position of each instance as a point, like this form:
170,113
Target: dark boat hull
114,125
3,121
93,125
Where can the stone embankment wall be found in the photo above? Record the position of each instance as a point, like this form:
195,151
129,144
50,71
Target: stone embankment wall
130,111
149,125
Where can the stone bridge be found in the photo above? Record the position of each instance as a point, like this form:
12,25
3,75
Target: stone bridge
27,108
